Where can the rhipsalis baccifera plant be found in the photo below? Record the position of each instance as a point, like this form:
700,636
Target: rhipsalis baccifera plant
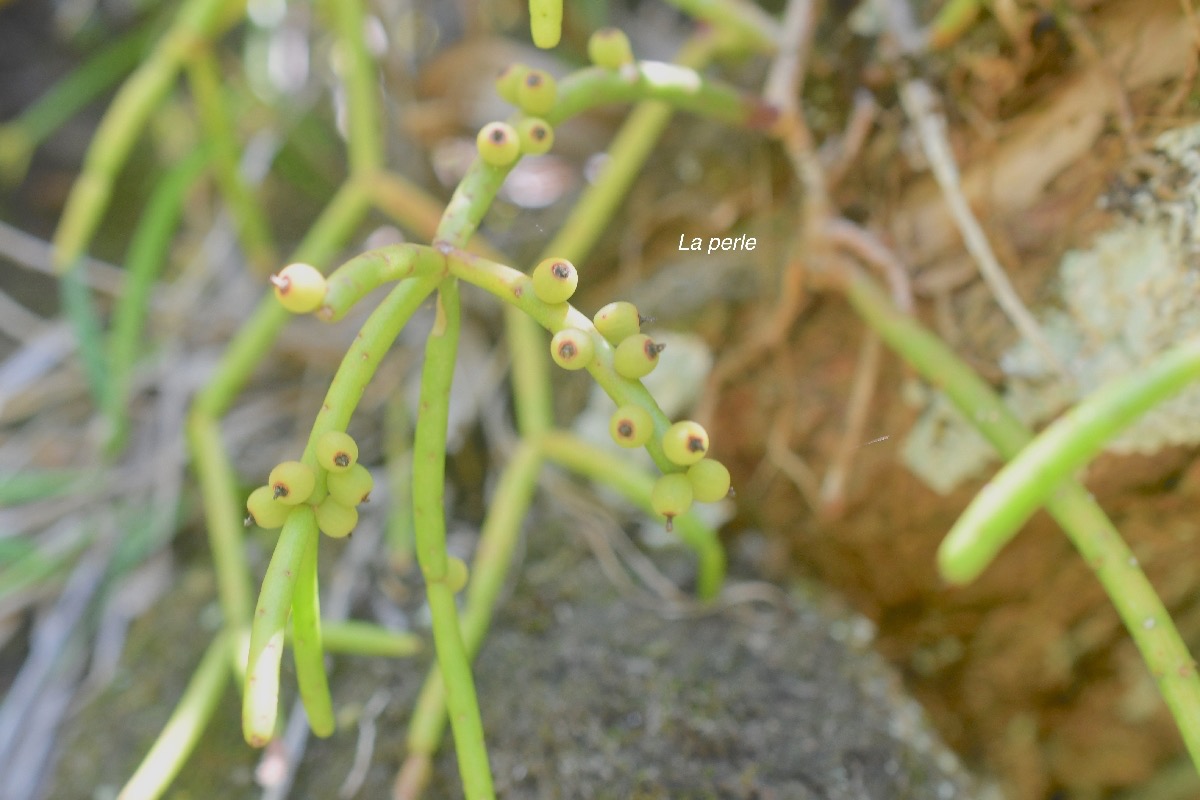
322,489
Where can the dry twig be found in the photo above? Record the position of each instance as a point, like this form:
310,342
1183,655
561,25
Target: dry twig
866,374
867,248
920,104
784,84
839,158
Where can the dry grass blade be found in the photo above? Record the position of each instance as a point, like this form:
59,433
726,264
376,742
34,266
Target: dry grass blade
35,254
34,702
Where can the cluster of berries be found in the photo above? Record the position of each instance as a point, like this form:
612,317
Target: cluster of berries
291,483
634,357
301,288
685,444
535,92
554,281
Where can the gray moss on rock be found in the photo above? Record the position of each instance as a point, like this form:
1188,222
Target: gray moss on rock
585,694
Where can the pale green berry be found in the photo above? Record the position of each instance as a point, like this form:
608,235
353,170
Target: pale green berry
554,280
631,426
337,451
537,92
300,288
265,510
572,348
685,443
671,496
336,519
610,48
536,135
710,480
352,486
636,356
292,482
498,144
508,82
617,321
456,574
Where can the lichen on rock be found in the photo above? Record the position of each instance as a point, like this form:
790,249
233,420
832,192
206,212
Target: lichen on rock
1130,296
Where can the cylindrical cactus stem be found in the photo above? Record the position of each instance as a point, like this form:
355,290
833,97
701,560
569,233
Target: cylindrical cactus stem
545,22
350,282
260,703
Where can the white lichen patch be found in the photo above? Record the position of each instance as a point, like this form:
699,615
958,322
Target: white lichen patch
1132,295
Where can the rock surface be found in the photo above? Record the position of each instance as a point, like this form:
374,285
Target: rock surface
585,694
590,695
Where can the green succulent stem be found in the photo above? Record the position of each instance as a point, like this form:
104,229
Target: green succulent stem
361,361
461,219
469,203
1033,476
545,22
356,637
1070,504
218,489
358,73
187,722
489,571
197,21
247,214
415,209
307,646
429,445
455,667
260,702
741,20
364,273
429,522
681,87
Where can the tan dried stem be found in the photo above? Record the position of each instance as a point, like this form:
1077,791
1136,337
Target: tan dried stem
862,390
921,105
839,158
783,87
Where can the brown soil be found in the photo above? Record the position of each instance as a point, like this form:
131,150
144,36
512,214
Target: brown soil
1027,672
